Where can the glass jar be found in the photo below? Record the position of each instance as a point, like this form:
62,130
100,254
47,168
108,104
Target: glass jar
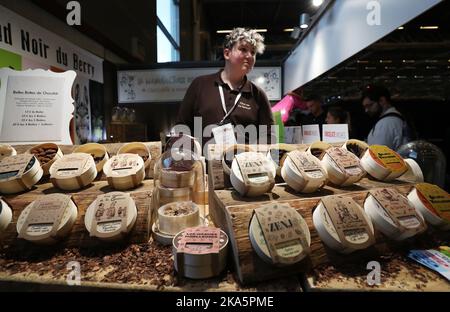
429,158
116,113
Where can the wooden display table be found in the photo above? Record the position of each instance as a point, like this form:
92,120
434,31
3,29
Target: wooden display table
138,263
233,213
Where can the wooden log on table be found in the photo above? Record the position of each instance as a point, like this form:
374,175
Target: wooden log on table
233,213
79,236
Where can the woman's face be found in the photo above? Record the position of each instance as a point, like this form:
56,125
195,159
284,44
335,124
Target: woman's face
331,119
241,57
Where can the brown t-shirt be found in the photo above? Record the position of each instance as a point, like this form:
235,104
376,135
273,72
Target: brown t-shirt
202,99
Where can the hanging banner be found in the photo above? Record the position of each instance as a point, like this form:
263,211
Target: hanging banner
27,39
170,84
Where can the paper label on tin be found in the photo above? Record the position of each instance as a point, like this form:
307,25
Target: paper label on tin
306,164
45,215
349,222
71,165
199,241
125,164
397,207
16,166
346,161
435,199
283,233
387,158
254,168
110,213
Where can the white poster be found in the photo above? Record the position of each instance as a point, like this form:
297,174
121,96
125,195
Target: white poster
311,133
335,133
293,135
35,106
170,84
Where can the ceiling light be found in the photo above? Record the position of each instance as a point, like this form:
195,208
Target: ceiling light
418,77
386,61
296,33
317,3
429,27
288,29
401,77
370,67
304,20
224,31
401,28
261,30
408,61
362,62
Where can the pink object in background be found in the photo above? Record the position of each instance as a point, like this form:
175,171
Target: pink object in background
287,104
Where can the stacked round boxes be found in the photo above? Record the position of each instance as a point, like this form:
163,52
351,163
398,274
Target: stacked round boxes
342,224
200,252
19,173
279,235
303,172
5,216
393,214
434,204
47,219
383,163
47,154
124,171
175,210
97,151
6,150
252,174
111,216
140,149
342,166
73,171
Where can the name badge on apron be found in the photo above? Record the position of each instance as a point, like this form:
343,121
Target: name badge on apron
224,134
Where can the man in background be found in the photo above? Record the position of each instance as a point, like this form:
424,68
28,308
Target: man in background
391,128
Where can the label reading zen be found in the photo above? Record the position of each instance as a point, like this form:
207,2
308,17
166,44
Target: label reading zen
283,233
254,168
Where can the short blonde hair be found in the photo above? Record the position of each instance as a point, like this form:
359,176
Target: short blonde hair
250,36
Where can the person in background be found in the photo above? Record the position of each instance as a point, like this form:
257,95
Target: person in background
337,115
228,96
317,115
391,128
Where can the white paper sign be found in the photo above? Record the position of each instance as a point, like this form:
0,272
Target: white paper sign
293,135
334,133
311,133
35,106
